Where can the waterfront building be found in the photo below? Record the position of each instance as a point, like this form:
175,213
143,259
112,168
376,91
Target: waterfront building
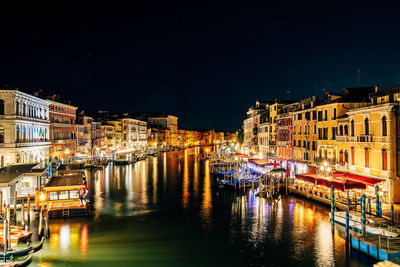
84,135
134,134
304,134
116,134
168,122
328,111
273,112
284,131
374,144
110,138
207,137
250,126
264,132
219,137
24,128
97,139
62,129
23,178
181,138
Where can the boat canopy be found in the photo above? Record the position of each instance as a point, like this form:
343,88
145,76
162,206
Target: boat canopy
338,184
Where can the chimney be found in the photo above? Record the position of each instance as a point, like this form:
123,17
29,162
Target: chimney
376,88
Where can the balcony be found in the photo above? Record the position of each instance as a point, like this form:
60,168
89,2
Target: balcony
343,166
364,138
319,160
63,141
33,143
342,138
282,143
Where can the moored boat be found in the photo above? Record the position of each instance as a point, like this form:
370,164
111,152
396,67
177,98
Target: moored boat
374,225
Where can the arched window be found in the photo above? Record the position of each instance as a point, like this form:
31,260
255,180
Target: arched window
17,107
24,109
326,153
1,107
346,156
366,126
341,130
18,133
1,134
346,130
384,126
352,127
341,156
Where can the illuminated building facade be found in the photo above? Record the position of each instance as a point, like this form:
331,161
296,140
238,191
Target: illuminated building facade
284,131
62,130
24,128
84,135
169,123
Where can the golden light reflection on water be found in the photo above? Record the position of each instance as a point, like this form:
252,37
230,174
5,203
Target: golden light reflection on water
185,184
245,223
84,241
206,206
195,187
155,179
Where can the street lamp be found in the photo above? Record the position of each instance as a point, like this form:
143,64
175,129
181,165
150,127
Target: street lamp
42,198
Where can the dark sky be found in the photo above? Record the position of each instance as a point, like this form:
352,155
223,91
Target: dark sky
206,63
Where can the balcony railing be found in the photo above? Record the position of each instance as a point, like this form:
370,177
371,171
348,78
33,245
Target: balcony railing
364,138
282,143
342,138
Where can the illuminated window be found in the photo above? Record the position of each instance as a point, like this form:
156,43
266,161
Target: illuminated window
366,126
384,126
53,195
63,195
74,194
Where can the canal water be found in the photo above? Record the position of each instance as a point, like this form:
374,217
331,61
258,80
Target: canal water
164,211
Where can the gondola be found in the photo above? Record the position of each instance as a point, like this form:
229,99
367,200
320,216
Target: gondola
12,254
22,263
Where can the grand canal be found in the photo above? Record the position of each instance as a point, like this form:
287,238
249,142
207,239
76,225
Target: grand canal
164,211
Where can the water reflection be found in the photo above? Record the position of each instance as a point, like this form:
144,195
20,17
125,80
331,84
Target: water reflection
153,213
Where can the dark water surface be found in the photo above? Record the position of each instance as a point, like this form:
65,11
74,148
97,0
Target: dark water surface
164,211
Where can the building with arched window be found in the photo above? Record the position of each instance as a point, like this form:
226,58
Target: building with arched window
24,128
62,129
373,146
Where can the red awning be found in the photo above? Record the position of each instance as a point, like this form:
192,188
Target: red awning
259,161
241,155
356,178
338,184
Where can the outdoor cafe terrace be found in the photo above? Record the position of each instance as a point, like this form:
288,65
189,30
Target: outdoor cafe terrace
345,185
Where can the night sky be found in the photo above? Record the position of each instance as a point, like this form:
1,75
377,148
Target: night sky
206,64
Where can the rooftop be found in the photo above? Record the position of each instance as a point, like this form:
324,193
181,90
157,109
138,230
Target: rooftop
65,180
9,173
71,167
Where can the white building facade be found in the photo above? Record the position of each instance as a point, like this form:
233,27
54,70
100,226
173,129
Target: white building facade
24,128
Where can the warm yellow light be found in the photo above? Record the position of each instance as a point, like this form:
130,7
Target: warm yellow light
207,150
42,197
325,163
322,168
329,169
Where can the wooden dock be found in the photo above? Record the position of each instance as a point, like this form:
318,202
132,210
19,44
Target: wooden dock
377,246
